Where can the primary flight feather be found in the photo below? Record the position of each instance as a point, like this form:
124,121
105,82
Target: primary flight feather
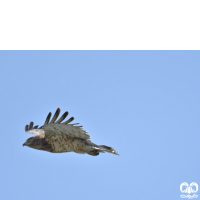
57,137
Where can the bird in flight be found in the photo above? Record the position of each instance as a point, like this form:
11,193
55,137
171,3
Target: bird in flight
57,137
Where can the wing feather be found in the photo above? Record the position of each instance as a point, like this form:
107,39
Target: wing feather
58,128
48,118
26,128
66,129
30,129
30,125
62,117
55,116
69,120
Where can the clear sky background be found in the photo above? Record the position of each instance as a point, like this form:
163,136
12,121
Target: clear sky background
145,104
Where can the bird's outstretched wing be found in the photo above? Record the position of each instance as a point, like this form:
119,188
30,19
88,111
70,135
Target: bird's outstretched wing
34,129
56,127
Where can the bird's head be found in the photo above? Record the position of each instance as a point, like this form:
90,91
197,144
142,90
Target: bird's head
32,142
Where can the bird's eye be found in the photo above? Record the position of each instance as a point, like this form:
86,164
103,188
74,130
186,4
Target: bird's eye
30,139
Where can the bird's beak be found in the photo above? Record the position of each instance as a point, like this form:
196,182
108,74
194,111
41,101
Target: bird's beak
24,144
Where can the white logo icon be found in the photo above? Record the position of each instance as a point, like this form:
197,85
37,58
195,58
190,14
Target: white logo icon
192,188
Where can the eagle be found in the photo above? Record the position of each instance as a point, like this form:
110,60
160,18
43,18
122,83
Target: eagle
58,137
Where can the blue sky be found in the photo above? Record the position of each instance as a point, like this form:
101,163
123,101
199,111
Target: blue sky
145,104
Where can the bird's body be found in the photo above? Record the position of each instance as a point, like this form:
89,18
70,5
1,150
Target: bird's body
57,137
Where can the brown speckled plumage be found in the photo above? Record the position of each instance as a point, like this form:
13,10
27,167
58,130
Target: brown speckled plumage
57,137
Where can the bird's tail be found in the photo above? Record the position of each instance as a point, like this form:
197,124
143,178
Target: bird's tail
95,150
107,149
